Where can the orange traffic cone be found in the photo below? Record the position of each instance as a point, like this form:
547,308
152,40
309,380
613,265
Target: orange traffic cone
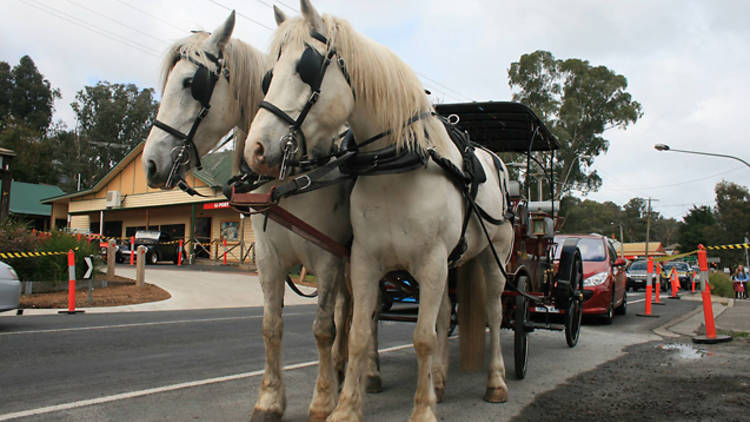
647,311
658,285
708,313
675,282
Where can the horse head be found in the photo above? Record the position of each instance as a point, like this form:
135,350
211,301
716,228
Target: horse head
308,96
199,104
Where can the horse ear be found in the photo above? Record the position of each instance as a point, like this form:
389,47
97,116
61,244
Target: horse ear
278,15
221,35
311,16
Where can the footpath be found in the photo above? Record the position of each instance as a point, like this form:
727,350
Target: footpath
193,287
730,315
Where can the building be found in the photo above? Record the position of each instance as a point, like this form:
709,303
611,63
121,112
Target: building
121,203
26,206
638,250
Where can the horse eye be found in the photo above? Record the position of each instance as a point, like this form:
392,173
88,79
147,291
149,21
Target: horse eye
187,82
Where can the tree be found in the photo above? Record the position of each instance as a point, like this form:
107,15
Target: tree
27,96
578,102
112,119
699,226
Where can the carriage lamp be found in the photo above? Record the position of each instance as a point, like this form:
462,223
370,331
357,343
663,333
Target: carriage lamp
537,224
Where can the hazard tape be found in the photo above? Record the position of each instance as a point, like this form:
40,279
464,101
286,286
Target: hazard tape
36,254
734,246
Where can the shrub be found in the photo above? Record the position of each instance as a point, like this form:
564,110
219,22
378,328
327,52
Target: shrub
15,237
721,284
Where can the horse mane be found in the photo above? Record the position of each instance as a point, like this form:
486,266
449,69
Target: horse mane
379,78
246,68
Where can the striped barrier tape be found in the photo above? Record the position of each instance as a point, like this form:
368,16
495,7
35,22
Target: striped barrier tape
35,254
734,246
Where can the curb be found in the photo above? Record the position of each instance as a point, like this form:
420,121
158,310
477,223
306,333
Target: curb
664,330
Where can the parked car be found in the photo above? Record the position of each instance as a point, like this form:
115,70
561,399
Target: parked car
159,247
119,258
10,288
637,275
684,273
603,276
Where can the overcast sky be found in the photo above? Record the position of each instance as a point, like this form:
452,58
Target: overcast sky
686,62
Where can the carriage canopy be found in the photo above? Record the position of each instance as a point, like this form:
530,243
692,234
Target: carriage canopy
502,126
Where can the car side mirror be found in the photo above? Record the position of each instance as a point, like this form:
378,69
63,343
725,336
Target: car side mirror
620,262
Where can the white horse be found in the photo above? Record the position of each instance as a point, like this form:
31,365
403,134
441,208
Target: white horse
233,102
401,221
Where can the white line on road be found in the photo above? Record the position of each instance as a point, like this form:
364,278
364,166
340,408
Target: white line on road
163,389
146,324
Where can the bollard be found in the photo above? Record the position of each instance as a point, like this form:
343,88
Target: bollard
132,249
71,285
111,256
179,255
657,296
650,269
79,237
708,313
225,252
140,269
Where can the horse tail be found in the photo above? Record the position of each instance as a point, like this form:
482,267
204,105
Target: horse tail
472,318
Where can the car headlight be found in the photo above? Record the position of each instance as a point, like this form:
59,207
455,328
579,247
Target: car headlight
596,279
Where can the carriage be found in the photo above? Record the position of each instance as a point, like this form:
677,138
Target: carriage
545,280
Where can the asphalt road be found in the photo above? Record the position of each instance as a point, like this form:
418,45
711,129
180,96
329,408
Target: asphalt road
206,365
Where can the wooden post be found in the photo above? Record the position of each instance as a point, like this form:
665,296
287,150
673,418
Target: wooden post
140,269
111,254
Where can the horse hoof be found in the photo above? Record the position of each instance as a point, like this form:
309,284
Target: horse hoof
374,384
317,416
496,395
265,416
439,394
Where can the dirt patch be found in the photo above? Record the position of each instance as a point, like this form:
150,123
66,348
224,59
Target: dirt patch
667,380
121,291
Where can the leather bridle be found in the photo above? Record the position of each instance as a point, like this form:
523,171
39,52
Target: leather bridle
201,87
294,142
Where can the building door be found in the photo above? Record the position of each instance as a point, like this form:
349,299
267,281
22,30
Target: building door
203,237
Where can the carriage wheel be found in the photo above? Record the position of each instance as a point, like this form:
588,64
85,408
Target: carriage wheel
575,304
520,335
454,320
304,291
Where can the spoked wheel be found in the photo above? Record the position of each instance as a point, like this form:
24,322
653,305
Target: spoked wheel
569,291
300,290
520,335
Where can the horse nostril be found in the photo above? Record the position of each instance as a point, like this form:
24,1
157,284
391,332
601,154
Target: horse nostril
258,153
151,168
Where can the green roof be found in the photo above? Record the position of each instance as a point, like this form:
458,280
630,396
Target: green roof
217,168
25,198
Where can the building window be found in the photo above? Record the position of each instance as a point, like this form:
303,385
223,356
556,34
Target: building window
176,231
130,231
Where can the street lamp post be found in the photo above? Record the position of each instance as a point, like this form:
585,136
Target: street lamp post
622,240
663,147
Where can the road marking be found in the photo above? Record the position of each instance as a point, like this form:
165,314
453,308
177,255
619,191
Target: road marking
146,324
167,388
636,301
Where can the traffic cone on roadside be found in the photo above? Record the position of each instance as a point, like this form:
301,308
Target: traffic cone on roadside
708,313
675,282
692,288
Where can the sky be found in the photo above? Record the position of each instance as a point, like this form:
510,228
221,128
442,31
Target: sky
685,61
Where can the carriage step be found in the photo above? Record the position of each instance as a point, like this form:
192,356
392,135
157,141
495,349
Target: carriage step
530,326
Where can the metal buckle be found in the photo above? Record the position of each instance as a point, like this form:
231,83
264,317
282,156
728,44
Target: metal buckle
314,97
306,178
291,147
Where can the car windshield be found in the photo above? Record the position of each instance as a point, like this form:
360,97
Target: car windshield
679,266
638,266
592,249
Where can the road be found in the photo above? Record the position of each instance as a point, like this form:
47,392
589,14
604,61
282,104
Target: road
206,365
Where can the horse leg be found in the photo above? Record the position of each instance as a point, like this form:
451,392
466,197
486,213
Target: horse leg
497,390
342,317
374,382
364,277
432,275
271,401
330,276
440,364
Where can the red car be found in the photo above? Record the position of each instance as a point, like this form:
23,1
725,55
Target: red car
603,276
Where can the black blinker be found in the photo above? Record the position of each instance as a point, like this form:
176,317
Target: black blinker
309,67
203,85
266,82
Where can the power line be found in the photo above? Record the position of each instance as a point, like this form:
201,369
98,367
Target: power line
243,15
287,6
164,21
72,19
422,75
118,22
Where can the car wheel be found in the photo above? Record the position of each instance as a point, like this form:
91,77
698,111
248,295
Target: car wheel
623,309
153,258
610,314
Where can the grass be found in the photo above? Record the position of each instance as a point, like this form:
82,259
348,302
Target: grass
721,284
